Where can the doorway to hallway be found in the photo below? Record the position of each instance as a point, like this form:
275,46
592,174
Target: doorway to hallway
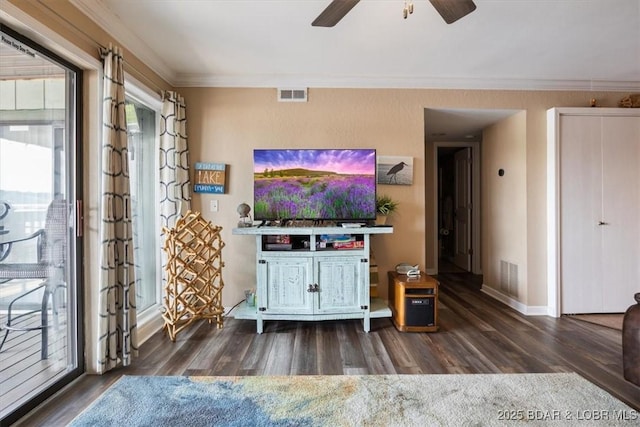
457,207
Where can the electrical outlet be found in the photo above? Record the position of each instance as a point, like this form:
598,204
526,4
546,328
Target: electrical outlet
213,206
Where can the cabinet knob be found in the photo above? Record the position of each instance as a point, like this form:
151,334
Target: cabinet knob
310,288
603,223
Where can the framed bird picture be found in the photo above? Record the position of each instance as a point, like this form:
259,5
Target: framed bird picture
395,170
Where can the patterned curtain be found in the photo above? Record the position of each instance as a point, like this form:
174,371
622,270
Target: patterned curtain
117,343
175,192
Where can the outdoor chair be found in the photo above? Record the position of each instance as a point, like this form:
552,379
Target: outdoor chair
51,247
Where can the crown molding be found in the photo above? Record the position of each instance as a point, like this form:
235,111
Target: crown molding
109,22
400,82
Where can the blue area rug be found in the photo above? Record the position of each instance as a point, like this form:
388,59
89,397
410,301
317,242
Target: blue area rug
370,400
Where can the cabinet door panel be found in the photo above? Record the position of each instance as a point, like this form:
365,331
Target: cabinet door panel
288,280
621,212
581,210
339,286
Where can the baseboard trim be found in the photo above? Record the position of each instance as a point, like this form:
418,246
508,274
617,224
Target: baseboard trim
148,326
527,310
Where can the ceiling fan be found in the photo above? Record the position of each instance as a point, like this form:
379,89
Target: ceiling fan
450,10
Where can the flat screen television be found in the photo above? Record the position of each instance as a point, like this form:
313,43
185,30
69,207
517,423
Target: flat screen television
306,184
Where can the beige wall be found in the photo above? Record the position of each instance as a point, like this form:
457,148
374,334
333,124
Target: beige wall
504,201
226,124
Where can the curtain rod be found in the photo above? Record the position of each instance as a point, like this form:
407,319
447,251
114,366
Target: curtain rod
158,90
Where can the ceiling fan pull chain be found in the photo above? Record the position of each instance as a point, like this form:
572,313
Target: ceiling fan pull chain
408,8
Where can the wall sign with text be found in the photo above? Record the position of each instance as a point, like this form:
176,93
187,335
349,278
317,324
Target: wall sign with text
210,178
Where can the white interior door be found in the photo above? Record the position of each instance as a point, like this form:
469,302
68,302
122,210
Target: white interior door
462,209
581,209
620,212
599,205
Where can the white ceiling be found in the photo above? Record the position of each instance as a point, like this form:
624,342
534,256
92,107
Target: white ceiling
503,44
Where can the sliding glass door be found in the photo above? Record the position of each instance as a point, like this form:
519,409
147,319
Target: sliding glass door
39,243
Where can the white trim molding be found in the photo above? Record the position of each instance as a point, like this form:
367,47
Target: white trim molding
149,322
527,310
394,82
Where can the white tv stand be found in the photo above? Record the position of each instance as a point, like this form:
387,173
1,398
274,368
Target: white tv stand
309,280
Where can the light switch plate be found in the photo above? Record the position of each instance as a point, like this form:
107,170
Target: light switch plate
213,206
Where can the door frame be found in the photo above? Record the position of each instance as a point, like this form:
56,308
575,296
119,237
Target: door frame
476,258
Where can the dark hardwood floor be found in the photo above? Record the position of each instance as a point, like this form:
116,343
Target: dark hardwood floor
477,335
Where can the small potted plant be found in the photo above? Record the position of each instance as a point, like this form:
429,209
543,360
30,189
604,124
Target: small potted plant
385,206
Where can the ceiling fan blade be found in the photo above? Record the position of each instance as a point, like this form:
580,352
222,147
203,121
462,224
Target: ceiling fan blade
452,10
336,10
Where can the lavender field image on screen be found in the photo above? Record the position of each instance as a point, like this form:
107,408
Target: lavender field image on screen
314,184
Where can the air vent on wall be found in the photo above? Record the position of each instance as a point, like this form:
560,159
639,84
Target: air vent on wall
509,278
292,95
